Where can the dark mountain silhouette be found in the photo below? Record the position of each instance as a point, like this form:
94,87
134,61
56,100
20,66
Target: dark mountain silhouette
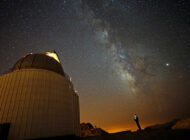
167,125
87,129
181,124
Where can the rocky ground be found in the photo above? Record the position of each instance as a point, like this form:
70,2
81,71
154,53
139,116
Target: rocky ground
87,129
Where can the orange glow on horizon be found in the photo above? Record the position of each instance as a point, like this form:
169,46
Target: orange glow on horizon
132,127
115,129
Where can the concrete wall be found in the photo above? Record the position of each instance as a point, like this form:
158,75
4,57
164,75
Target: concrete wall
38,103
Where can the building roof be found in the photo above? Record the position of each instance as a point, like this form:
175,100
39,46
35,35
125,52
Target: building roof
40,61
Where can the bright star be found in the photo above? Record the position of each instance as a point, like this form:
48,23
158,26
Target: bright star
167,64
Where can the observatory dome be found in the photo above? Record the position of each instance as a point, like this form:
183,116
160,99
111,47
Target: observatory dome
38,99
40,61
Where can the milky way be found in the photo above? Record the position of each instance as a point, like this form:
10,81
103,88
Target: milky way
131,40
124,56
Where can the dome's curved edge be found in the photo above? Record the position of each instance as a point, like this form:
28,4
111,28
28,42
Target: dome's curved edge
38,61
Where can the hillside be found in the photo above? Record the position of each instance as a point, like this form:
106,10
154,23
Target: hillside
87,129
174,130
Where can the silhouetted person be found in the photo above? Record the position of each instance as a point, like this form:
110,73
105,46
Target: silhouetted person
137,121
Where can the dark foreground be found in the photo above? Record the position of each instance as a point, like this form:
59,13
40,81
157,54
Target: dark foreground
139,135
146,135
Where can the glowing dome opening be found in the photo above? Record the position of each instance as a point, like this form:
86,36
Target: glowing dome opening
53,55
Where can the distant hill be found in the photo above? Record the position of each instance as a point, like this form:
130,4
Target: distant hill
182,124
87,129
167,125
174,125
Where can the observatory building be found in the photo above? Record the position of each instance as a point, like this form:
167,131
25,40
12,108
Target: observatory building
37,99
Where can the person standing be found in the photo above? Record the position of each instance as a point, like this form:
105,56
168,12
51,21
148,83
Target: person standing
137,121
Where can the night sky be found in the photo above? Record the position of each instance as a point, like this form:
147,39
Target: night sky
124,56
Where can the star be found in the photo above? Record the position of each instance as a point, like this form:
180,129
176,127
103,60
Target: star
167,64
